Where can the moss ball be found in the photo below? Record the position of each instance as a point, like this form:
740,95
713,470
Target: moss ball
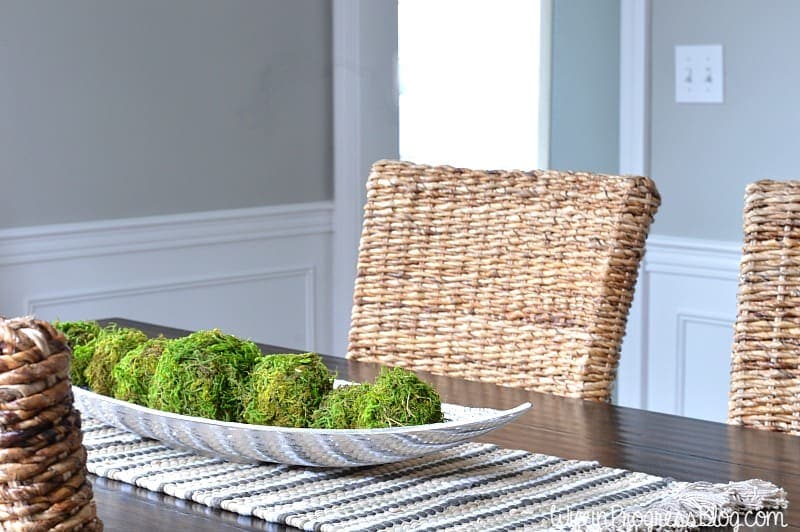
398,398
285,390
202,375
133,373
340,407
80,337
78,332
81,356
109,347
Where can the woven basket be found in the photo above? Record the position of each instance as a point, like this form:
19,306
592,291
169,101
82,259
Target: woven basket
523,279
765,370
43,483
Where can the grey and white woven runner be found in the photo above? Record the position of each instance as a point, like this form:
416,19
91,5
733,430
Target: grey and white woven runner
473,486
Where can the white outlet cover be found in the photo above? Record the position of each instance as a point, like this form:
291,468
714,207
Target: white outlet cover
699,74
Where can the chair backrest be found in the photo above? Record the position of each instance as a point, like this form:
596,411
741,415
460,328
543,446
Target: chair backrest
519,278
765,369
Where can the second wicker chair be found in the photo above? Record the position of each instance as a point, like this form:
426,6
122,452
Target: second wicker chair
523,279
765,371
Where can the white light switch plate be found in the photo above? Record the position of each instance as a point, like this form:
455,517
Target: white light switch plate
699,74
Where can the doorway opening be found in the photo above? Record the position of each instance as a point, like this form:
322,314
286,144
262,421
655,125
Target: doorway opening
473,79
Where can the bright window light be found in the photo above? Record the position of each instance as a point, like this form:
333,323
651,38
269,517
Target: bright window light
470,83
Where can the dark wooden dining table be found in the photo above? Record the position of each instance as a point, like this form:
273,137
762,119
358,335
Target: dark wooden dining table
659,444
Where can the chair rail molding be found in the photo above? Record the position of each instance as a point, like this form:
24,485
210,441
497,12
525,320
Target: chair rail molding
129,235
262,273
680,329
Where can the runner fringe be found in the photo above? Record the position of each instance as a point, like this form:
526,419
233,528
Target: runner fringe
689,506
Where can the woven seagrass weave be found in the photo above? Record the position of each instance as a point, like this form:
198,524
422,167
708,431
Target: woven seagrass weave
519,278
43,484
765,370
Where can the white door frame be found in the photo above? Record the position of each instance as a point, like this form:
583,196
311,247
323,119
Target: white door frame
634,87
364,130
634,158
346,165
350,85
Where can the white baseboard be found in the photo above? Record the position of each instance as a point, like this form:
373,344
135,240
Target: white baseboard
676,354
262,273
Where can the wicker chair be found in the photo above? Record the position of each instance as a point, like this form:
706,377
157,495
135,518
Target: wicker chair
765,370
519,278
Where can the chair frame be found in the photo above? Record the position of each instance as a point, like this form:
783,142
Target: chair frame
765,366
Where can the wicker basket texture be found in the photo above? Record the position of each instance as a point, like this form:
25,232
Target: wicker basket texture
765,370
523,279
43,483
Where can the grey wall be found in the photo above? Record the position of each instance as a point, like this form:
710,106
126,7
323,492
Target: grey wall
584,131
703,155
112,109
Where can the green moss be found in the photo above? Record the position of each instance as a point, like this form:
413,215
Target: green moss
340,407
80,338
109,347
398,398
134,371
285,390
202,375
81,356
78,333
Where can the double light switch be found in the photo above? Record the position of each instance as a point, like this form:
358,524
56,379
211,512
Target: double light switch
698,74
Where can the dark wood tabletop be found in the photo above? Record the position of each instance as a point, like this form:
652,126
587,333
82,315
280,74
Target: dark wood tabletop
660,444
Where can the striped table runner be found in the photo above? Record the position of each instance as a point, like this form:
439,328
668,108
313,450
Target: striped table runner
473,486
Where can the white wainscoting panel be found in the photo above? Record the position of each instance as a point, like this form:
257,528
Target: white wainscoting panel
701,389
261,273
265,274
677,350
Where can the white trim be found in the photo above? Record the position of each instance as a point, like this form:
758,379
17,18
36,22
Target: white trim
716,259
35,304
545,81
310,331
630,388
634,95
347,156
689,258
108,237
634,119
644,327
684,318
364,130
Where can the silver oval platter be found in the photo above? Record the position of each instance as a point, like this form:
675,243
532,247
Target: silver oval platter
300,446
